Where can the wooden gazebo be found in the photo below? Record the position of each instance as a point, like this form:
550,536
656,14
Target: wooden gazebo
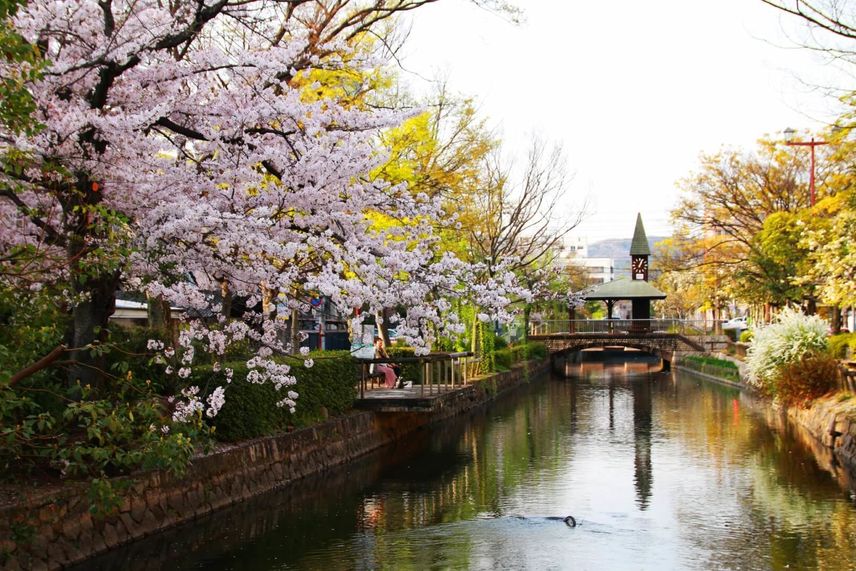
637,290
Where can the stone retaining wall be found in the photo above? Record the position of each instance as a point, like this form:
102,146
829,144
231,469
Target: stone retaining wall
829,423
49,528
832,421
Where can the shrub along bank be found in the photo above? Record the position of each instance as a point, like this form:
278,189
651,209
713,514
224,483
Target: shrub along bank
506,357
792,360
154,501
843,346
326,388
96,433
721,368
789,360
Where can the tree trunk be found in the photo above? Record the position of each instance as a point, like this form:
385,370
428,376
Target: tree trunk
268,296
95,292
90,321
836,320
382,320
810,305
160,319
527,311
227,299
294,331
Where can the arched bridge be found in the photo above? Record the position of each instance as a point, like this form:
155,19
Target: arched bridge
663,345
658,337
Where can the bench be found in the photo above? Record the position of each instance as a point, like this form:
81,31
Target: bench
369,376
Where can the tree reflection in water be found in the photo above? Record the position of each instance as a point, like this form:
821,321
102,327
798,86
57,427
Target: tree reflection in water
729,492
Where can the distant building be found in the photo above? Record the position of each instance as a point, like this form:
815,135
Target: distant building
575,247
597,270
135,313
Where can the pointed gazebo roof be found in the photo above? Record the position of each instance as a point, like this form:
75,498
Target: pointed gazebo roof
639,245
622,288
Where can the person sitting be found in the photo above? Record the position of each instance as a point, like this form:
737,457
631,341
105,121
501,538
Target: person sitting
389,375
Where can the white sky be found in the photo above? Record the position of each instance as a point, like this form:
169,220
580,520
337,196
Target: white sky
635,91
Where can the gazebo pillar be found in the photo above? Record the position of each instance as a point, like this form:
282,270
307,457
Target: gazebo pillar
641,309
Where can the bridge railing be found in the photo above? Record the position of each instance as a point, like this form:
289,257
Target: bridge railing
693,328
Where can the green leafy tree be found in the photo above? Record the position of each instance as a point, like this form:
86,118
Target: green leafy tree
777,253
22,64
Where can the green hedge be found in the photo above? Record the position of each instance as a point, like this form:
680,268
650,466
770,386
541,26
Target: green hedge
709,360
330,383
505,358
537,351
250,410
722,368
839,345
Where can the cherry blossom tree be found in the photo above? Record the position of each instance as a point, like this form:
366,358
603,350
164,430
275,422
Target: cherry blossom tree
178,158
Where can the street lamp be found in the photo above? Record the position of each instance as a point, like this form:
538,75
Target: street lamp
789,136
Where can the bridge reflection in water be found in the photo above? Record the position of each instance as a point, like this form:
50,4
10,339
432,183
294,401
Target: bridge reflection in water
607,362
621,369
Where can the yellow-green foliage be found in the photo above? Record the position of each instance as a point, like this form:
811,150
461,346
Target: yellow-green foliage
840,345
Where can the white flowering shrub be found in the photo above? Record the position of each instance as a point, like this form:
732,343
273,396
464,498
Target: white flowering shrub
782,343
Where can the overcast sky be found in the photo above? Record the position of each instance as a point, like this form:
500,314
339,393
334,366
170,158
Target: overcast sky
635,91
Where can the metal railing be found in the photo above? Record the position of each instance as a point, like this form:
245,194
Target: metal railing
437,372
679,326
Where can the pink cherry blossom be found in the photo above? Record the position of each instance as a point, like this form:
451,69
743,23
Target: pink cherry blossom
178,160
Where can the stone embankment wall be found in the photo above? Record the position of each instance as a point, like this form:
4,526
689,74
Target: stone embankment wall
49,528
829,422
832,421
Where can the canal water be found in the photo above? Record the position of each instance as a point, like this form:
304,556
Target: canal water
660,471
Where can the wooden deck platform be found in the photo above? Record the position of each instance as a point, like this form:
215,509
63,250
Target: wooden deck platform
413,399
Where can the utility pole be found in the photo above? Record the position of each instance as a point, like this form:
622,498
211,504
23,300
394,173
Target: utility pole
789,134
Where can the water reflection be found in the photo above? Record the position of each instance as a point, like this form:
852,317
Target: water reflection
729,492
642,415
636,370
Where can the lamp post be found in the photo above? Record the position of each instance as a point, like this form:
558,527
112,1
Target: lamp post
789,136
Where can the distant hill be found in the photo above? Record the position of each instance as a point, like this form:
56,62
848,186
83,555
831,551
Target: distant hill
618,248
